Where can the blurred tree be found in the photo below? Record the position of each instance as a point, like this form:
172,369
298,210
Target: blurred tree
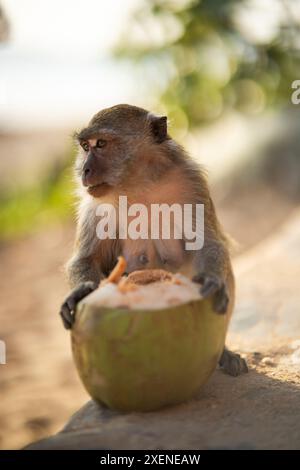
205,56
4,26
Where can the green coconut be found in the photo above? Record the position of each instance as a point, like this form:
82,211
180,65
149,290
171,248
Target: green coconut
140,345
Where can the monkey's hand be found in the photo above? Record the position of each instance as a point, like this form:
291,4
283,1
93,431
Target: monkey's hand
213,285
67,311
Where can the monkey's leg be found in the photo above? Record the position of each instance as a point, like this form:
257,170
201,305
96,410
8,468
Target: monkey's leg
232,363
67,311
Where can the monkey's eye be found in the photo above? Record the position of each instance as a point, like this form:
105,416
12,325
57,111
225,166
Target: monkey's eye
100,143
85,146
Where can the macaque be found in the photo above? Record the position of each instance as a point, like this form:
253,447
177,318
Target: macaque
127,151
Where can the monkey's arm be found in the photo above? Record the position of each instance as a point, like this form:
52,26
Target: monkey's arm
83,270
84,277
216,276
212,262
213,267
214,272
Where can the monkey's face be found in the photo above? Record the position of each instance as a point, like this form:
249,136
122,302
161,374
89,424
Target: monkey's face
102,162
112,143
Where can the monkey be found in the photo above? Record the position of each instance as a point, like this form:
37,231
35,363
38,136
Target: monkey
127,150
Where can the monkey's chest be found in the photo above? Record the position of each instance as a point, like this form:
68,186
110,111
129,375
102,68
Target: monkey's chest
161,254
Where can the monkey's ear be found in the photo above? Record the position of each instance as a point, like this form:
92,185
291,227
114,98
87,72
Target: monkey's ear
159,128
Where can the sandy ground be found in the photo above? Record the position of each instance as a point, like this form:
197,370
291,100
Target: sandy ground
39,386
259,410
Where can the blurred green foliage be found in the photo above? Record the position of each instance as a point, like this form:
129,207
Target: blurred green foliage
28,209
207,56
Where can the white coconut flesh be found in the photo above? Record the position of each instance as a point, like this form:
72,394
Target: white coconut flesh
145,290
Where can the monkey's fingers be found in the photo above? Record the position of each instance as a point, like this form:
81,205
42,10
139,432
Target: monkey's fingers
67,311
66,316
210,284
221,300
214,286
209,288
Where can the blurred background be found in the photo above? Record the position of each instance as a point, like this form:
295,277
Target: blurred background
221,70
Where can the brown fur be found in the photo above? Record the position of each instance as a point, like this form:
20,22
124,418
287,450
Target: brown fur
141,161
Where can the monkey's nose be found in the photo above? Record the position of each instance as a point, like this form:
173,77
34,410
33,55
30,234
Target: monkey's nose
87,171
87,176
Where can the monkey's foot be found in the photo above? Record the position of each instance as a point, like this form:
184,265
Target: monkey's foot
232,363
67,311
214,286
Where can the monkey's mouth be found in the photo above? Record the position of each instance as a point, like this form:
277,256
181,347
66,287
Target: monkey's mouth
94,186
98,189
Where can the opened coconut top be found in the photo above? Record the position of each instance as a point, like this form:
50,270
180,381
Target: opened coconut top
146,289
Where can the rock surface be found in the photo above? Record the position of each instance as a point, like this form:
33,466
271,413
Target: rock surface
259,410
